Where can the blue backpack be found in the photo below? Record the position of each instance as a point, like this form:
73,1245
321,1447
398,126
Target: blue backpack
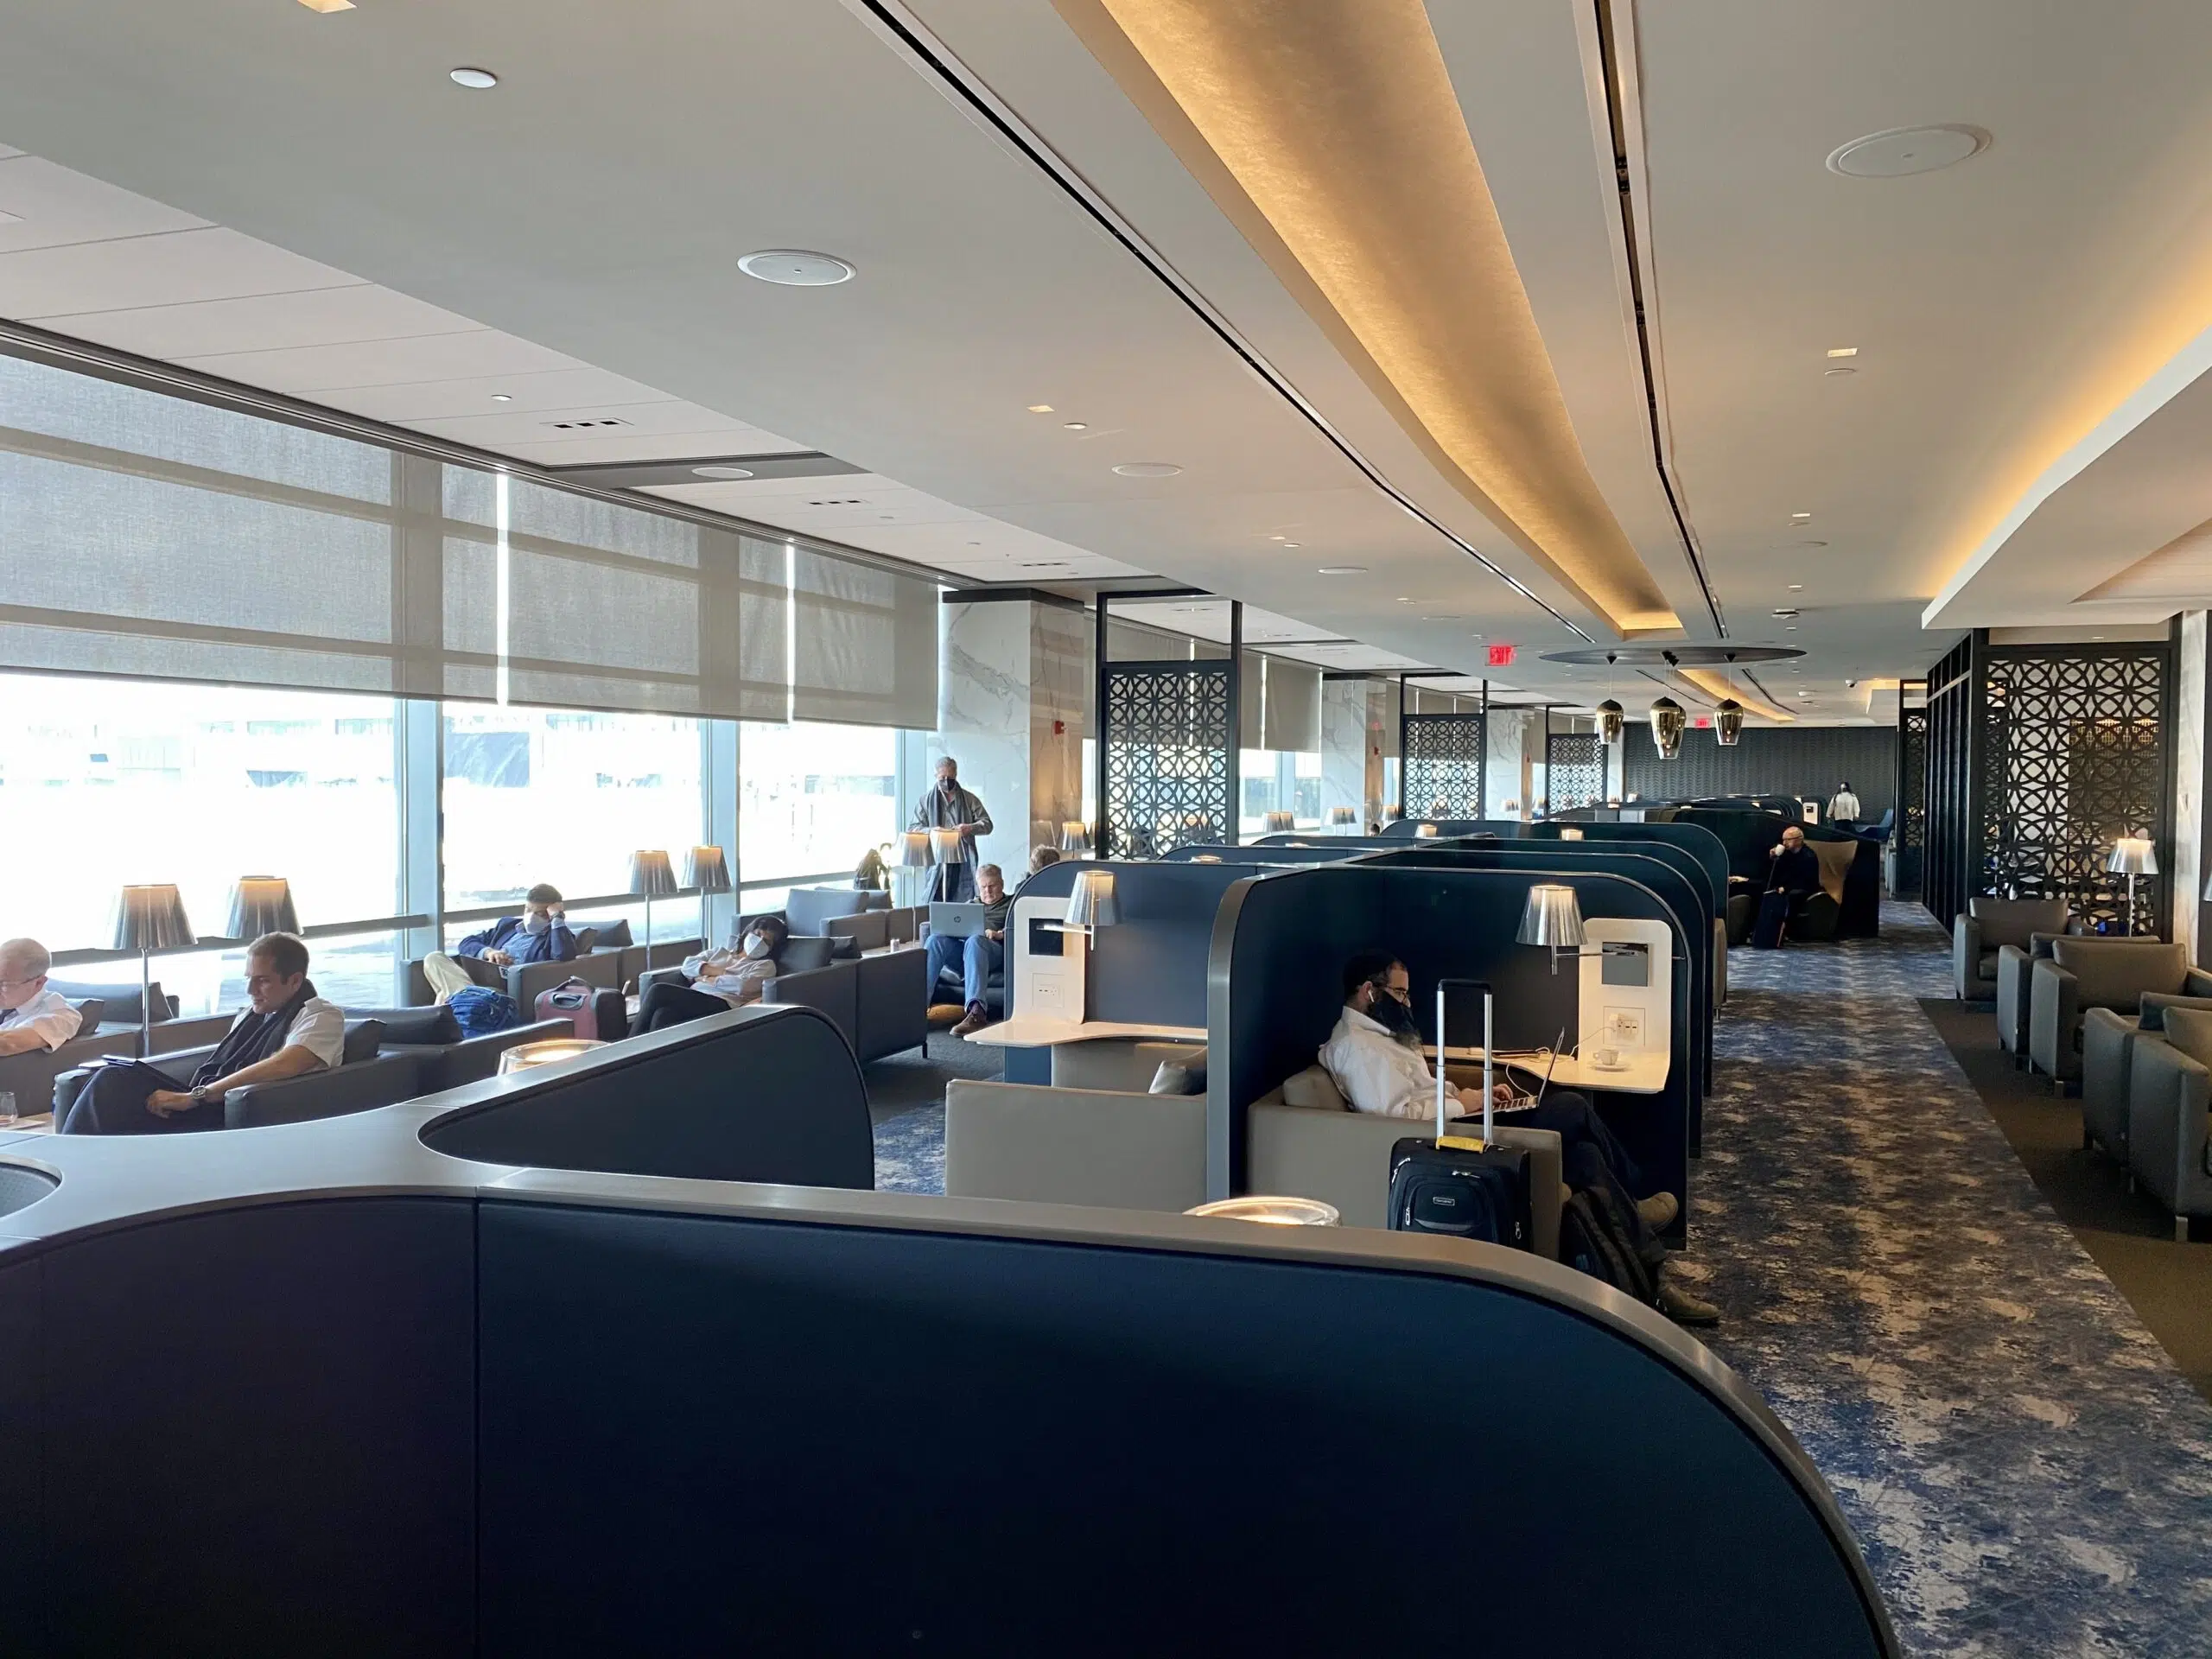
480,1011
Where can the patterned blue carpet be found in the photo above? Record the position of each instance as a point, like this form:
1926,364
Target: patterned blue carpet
2024,1468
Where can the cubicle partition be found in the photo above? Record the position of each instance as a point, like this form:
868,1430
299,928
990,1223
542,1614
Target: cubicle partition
1748,838
1699,845
1683,892
322,1390
1274,993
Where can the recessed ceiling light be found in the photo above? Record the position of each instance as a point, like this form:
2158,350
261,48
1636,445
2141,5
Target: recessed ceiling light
1801,516
2096,636
721,472
503,397
1148,469
1847,369
327,5
1790,628
1902,151
1342,570
1278,538
796,268
476,80
1797,587
1812,543
1076,426
1406,599
1041,408
1291,545
975,543
1843,351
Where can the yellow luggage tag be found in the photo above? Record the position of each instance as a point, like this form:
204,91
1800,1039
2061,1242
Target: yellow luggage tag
1460,1142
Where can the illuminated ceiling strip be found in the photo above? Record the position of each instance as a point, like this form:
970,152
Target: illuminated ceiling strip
1332,138
897,26
1717,685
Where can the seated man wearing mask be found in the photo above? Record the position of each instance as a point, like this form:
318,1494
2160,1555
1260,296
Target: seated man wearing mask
721,980
284,1030
539,934
978,955
1374,1054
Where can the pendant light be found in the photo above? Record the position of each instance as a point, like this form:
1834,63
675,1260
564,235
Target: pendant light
1612,723
1667,724
1727,723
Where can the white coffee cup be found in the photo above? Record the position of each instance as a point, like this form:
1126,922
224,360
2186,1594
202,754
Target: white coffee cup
1609,1058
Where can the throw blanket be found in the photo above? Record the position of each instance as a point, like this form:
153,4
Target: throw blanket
254,1038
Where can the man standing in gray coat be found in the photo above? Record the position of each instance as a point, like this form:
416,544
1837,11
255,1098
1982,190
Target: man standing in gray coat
949,807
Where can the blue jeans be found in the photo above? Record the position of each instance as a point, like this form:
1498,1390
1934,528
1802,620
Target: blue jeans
977,958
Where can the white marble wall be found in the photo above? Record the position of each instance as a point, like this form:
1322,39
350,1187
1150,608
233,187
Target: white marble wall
2188,879
1013,669
1515,736
1352,775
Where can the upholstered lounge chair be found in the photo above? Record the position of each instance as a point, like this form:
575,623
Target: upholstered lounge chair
2169,1113
2085,974
1988,925
2109,1043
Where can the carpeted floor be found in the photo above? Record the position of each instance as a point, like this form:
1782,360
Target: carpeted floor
2028,1473
2126,1233
2026,1469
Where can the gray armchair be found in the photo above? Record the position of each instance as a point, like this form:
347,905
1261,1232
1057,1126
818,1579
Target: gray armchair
2085,974
2169,1100
2014,965
1988,927
363,1078
30,1076
2109,1044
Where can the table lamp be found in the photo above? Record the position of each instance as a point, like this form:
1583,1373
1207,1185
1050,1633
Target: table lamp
1092,904
1553,918
913,855
261,904
528,1057
705,868
650,878
2131,856
1274,1211
1279,820
149,919
944,851
1339,816
1570,834
1075,836
1426,832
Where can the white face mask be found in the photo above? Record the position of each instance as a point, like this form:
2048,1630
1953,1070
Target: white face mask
537,923
756,946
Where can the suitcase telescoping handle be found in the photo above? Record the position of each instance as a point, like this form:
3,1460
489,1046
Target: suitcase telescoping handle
1483,986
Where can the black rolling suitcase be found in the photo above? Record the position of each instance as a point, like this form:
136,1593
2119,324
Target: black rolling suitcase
1457,1186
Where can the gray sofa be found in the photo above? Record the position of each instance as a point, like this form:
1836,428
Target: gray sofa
810,909
2098,973
1988,925
878,1003
2169,1117
30,1076
119,1002
371,1073
2110,1041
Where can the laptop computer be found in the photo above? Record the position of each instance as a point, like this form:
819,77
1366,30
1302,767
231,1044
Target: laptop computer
959,921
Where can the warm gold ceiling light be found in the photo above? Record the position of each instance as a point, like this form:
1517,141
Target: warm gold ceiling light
1332,136
327,5
1719,686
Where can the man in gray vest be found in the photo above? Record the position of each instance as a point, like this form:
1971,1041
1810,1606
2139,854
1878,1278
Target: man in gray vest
949,807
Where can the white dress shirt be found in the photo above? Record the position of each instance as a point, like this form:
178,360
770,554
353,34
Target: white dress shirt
733,977
1845,805
319,1027
1377,1073
48,1014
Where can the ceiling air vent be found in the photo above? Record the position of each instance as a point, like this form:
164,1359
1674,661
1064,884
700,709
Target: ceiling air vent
593,425
840,501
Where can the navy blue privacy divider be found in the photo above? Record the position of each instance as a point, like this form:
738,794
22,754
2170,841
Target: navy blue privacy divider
1751,837
1109,1451
1150,968
1404,829
1274,989
761,1094
22,1455
258,1432
1699,845
1682,890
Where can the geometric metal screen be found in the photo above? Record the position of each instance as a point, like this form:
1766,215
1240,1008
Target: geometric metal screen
1168,728
1443,765
2072,755
1911,833
1575,769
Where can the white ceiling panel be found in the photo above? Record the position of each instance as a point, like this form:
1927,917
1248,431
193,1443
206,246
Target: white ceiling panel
502,429
141,271
54,208
542,393
309,369
259,323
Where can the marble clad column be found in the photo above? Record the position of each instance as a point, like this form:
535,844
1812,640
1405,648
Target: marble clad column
1347,751
1506,774
1012,670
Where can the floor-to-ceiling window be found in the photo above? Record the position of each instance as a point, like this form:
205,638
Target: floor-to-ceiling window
812,800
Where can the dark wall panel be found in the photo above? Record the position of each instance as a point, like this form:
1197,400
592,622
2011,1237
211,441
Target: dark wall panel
1808,761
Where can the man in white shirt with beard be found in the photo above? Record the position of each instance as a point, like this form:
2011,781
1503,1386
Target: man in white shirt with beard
1374,1054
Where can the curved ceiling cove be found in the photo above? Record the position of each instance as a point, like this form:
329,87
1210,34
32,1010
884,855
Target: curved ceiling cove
1332,138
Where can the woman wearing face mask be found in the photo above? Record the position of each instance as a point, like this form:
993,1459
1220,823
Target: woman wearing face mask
721,980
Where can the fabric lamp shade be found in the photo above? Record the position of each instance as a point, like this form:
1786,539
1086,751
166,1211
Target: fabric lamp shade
1279,820
914,849
2132,856
1092,904
650,876
1570,834
1075,836
1426,832
1342,815
705,868
945,845
1552,916
262,904
151,917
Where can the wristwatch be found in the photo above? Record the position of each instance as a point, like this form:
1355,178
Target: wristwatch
203,1096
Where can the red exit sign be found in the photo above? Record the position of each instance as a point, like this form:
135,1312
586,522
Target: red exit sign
1501,655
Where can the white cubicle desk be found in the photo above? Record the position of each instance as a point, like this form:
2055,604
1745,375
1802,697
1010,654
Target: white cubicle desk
1033,1030
1640,1072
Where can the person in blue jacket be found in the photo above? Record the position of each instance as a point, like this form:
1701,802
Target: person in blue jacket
539,934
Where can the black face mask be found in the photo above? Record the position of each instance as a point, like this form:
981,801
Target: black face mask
1393,1017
